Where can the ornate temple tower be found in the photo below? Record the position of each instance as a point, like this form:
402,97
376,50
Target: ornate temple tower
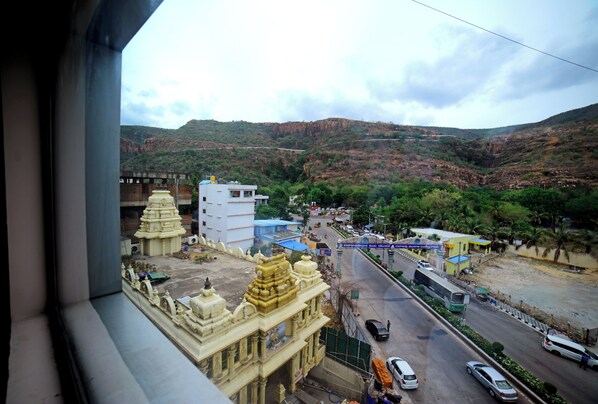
160,230
274,284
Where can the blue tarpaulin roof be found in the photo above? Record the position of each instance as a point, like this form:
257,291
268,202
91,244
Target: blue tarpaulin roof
293,245
458,258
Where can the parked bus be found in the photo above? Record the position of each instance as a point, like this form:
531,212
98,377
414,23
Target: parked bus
454,299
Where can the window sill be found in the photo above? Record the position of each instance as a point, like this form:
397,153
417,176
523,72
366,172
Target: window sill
33,376
125,358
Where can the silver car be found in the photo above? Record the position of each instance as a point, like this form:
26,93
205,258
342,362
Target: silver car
494,382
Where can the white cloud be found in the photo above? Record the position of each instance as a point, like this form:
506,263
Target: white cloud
381,60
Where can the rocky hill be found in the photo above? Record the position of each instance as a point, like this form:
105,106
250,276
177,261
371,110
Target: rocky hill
560,151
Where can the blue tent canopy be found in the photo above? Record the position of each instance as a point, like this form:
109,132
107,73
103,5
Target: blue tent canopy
293,245
458,258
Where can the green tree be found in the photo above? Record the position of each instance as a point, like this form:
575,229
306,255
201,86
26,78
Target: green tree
471,225
559,240
358,197
586,241
509,213
533,238
278,199
583,210
295,257
361,215
339,197
544,201
426,216
493,232
321,194
440,200
305,214
265,212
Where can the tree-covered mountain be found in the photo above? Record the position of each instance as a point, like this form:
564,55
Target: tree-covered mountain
558,152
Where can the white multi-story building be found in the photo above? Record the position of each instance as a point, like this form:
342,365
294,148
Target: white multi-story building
226,212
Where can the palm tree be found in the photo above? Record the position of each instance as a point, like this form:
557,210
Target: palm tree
495,209
493,233
506,231
402,229
536,217
561,239
425,216
533,239
586,240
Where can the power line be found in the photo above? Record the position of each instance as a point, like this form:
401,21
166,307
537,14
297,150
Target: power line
504,37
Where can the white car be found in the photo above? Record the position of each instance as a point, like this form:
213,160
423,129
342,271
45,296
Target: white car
568,349
423,264
402,373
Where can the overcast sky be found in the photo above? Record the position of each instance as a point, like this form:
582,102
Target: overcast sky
391,61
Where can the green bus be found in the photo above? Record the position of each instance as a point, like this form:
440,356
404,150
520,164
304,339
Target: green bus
454,299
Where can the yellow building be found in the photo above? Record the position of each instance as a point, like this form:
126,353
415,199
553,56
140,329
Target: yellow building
253,352
457,247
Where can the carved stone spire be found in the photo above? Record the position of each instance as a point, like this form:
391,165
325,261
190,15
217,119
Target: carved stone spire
160,229
208,314
274,286
307,270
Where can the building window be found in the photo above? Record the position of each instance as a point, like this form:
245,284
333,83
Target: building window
203,223
203,211
204,235
210,372
237,349
247,194
235,194
225,359
249,346
203,199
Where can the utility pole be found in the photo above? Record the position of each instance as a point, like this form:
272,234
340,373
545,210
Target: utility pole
339,253
459,261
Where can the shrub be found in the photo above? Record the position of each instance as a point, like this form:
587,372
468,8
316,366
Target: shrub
549,387
498,348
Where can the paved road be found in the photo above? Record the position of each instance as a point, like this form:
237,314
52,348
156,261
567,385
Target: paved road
437,356
522,343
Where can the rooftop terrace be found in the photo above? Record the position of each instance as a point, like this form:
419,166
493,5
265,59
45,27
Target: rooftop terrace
228,275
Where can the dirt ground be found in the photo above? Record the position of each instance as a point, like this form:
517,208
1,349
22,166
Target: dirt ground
542,285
